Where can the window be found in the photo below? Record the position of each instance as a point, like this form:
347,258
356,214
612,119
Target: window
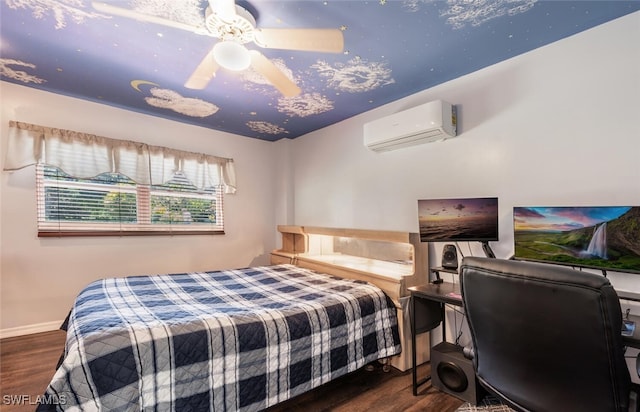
111,203
96,186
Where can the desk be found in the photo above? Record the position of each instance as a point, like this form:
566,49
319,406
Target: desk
427,312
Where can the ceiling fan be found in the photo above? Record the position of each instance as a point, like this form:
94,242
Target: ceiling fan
234,26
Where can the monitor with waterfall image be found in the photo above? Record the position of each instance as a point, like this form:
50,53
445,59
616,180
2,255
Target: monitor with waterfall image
465,219
597,237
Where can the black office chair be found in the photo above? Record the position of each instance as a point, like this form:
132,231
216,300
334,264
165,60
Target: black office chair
545,337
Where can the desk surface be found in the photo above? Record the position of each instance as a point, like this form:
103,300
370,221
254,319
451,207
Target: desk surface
447,292
626,295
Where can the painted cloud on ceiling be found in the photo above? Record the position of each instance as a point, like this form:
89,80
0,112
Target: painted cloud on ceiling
19,75
61,10
305,105
169,99
355,76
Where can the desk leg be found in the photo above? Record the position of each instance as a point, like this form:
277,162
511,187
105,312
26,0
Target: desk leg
414,369
444,322
414,355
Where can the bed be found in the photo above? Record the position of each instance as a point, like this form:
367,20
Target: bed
242,339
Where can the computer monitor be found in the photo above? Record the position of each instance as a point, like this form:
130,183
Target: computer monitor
600,237
462,219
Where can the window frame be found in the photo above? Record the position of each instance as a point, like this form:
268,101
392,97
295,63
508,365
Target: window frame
143,226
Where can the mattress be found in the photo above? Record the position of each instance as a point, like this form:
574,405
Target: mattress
242,339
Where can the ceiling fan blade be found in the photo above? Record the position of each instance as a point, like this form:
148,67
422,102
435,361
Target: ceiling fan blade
225,9
269,70
203,74
321,40
147,18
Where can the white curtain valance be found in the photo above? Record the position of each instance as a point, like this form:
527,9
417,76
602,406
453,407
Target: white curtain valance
85,155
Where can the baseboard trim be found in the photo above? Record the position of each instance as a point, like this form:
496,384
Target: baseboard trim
30,329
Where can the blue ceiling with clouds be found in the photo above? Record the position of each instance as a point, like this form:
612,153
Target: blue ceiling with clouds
392,49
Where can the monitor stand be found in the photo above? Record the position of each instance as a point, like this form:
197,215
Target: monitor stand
487,250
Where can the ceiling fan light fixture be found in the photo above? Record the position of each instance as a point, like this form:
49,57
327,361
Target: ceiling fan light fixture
232,55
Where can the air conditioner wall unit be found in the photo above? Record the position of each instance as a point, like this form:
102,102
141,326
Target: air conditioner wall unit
425,123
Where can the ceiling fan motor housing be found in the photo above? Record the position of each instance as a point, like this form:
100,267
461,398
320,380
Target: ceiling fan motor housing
240,29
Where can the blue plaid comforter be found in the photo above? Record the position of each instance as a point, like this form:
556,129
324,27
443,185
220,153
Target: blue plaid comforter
229,340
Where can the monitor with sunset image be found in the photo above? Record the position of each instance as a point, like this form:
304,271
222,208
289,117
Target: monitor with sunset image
599,237
450,220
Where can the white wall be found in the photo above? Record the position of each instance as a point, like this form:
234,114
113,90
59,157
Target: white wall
557,126
40,277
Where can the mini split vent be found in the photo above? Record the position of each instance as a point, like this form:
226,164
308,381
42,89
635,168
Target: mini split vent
426,123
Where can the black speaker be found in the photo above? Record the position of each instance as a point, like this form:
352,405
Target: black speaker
452,373
450,257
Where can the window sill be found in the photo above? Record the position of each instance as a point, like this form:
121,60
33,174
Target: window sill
84,233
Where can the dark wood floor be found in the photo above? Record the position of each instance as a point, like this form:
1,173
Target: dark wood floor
27,365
